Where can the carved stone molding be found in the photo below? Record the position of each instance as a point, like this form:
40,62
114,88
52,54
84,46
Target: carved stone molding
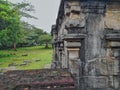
95,7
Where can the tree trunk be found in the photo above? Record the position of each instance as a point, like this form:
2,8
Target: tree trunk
46,45
14,47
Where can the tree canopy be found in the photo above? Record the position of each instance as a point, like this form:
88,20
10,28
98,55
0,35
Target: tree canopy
10,29
33,35
45,39
23,9
14,31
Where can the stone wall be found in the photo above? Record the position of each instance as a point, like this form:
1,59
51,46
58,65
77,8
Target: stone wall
45,79
112,18
88,42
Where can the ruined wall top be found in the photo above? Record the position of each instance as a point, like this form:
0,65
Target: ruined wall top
111,6
34,79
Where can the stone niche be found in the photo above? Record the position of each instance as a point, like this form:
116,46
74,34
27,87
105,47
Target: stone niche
113,57
113,63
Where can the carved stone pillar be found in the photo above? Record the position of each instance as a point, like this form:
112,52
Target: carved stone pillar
94,12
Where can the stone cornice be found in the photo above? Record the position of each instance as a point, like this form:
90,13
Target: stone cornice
112,34
74,36
115,37
101,9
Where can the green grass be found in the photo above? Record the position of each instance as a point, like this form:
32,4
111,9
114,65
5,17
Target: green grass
33,53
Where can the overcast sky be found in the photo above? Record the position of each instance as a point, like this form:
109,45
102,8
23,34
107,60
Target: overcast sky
45,10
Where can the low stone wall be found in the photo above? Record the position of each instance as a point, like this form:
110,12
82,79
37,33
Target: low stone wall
44,79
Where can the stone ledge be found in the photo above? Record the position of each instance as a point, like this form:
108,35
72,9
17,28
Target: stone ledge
74,36
112,36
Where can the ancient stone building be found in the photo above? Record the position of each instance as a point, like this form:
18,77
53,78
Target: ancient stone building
86,40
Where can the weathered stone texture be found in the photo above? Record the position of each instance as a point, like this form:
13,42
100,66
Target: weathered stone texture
45,79
89,44
112,19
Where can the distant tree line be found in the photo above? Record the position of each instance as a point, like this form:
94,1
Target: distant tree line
33,36
16,33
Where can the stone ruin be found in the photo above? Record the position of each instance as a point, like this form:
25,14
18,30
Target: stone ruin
86,50
86,40
44,79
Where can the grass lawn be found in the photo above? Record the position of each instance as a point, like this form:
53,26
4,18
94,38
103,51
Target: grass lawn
35,57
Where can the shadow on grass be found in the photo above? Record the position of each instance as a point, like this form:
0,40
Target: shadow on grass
6,55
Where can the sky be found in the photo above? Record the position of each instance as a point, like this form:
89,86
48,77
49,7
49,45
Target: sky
45,10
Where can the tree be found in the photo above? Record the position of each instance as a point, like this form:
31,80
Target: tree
23,9
31,35
13,31
45,39
10,29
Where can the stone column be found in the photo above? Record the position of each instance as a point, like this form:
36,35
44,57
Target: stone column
94,12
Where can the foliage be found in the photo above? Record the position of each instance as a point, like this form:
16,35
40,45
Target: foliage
23,9
45,39
10,29
14,32
31,35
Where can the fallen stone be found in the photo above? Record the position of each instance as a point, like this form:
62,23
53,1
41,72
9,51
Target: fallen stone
27,61
12,64
24,54
23,64
37,60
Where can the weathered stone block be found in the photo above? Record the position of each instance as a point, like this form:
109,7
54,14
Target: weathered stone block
75,23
